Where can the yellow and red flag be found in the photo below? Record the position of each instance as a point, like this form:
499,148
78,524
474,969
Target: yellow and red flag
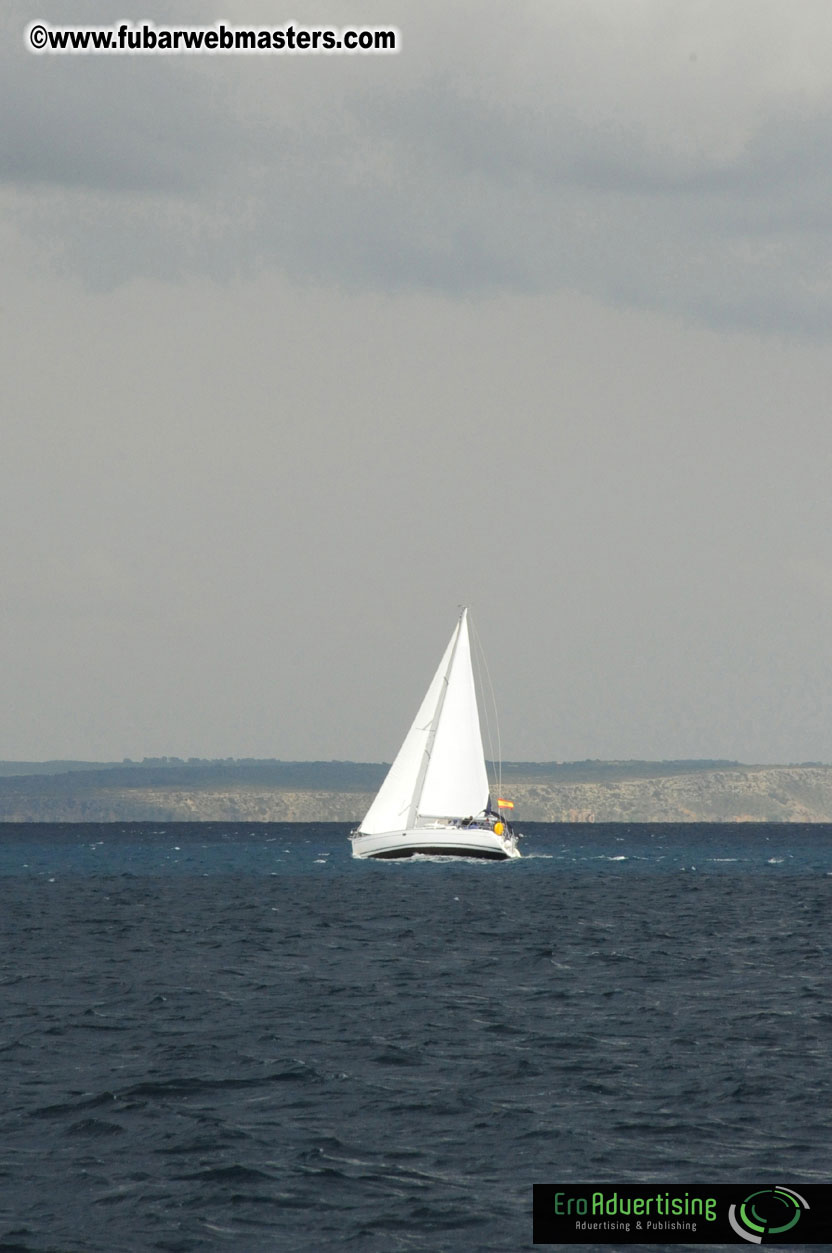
505,804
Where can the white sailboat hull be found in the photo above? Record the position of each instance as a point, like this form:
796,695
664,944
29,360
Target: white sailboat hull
440,840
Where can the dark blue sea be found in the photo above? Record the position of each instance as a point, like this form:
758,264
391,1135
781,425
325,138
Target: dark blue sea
235,1037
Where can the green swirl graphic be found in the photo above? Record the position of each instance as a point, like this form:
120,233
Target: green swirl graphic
769,1212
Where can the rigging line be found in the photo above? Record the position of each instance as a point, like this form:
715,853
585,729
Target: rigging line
482,660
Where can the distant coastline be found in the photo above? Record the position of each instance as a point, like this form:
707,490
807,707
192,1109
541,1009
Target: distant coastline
171,789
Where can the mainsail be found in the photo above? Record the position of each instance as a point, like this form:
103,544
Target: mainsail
456,785
439,771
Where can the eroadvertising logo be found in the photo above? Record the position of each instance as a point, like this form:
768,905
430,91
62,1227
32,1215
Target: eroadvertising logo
766,1213
650,1213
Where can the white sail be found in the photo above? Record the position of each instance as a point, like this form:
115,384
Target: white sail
438,779
455,783
392,805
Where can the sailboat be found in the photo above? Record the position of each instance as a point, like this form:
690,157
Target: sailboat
435,799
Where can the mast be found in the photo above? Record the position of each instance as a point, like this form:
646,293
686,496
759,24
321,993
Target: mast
423,769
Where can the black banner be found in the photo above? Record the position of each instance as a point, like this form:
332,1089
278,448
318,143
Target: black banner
654,1213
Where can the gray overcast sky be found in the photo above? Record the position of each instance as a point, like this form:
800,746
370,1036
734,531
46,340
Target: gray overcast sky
299,353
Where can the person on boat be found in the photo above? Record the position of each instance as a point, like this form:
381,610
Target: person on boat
495,819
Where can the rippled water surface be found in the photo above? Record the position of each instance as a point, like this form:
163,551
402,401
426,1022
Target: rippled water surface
237,1037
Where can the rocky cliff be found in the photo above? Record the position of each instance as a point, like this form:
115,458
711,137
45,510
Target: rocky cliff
341,792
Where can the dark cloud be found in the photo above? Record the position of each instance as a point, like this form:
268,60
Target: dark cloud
119,125
610,158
